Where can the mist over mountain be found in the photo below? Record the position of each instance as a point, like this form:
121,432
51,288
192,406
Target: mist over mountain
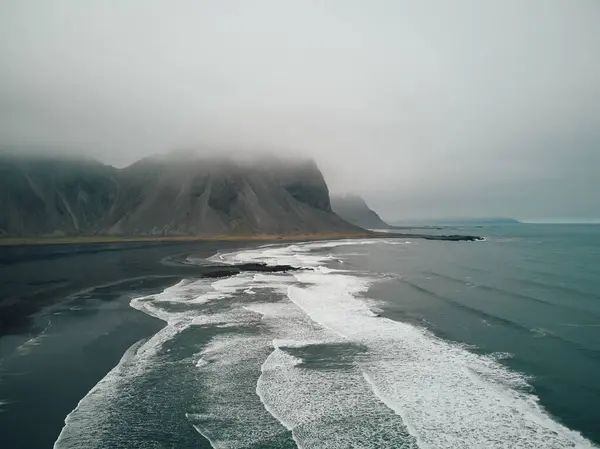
354,209
176,194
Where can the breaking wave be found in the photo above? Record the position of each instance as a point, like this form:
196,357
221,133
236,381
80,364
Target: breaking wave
301,359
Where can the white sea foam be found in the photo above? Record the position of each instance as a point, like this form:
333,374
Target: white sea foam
325,407
181,306
321,407
350,242
30,344
446,395
304,353
84,425
166,306
232,415
201,362
299,254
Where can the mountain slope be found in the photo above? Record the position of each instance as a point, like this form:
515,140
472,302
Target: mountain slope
54,196
164,196
353,209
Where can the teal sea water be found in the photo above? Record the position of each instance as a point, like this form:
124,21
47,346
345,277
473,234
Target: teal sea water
374,343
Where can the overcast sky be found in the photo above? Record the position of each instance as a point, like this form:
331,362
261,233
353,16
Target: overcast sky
426,108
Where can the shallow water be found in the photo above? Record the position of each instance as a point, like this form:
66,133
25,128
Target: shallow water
377,343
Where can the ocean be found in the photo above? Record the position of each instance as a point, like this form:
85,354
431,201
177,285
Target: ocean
382,343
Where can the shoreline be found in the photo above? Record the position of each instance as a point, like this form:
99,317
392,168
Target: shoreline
78,240
44,379
71,342
34,240
77,322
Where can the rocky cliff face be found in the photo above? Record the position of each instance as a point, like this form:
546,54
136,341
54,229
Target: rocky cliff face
353,209
54,196
163,196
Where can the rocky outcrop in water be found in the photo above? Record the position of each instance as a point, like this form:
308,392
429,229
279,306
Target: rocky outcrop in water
231,270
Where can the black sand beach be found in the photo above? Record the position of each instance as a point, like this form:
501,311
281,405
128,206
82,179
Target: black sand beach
65,321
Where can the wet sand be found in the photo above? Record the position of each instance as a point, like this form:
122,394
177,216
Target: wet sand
65,321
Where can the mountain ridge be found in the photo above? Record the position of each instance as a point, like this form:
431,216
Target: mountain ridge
355,210
164,196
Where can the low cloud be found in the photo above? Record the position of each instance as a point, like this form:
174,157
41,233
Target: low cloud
428,109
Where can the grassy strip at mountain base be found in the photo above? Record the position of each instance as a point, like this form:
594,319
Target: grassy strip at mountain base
13,241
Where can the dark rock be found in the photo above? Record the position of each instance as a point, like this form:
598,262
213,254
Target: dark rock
454,238
263,267
220,273
224,271
450,238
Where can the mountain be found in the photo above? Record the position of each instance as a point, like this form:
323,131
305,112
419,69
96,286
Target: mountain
353,209
168,195
46,196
